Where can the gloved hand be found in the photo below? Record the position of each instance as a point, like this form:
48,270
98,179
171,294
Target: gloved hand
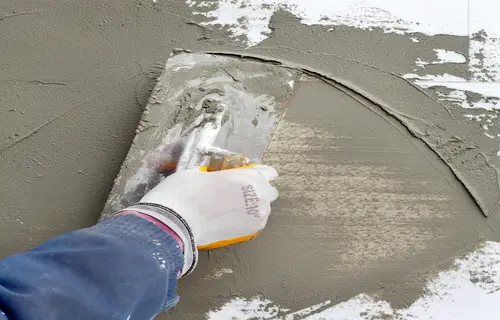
212,209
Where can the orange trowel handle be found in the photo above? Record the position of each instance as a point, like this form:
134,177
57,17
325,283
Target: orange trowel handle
224,243
220,162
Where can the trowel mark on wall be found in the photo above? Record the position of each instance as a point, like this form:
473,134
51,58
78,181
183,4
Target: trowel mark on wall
470,290
379,216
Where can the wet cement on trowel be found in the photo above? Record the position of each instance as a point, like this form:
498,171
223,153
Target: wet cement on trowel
71,103
194,89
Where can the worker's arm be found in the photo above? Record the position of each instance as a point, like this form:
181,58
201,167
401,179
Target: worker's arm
126,267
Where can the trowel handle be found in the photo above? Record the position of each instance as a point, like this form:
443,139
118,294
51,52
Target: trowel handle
220,162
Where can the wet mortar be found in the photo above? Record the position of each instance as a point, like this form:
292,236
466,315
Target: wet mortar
71,105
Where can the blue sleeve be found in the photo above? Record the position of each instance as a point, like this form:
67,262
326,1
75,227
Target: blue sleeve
125,267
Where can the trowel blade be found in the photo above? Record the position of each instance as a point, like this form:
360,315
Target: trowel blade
188,91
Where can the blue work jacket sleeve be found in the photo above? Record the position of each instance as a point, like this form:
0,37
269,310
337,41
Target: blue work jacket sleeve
124,267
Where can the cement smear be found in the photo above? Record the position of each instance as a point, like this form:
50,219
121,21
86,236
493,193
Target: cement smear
371,209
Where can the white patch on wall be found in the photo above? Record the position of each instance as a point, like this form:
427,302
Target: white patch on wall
250,18
484,55
484,44
246,309
443,56
470,290
431,79
465,94
459,97
489,91
447,56
218,273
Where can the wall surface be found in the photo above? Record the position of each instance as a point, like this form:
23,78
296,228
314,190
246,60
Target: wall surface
378,195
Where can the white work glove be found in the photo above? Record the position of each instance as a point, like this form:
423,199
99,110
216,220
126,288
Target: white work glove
209,210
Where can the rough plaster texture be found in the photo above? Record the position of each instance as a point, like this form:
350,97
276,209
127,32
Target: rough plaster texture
379,212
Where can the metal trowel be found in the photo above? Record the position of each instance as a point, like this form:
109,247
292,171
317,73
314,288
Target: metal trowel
213,110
